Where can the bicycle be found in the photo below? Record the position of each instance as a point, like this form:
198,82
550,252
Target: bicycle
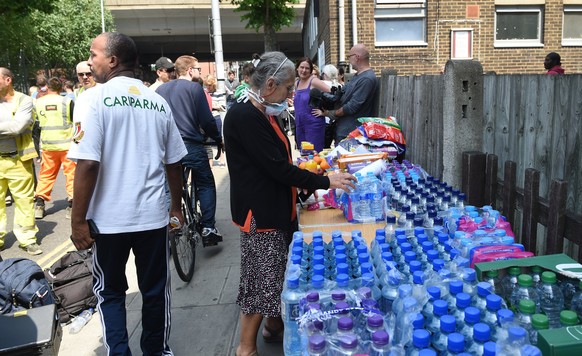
185,239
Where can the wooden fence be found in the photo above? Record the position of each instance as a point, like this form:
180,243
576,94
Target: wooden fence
532,120
506,196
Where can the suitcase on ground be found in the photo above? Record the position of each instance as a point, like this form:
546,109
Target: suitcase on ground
35,331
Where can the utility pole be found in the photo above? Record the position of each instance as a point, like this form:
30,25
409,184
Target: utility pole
217,37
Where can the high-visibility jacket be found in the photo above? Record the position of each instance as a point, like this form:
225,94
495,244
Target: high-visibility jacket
54,117
24,142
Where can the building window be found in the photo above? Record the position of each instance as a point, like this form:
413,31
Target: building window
572,35
519,26
400,23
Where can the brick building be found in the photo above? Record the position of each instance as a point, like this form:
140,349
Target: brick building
420,36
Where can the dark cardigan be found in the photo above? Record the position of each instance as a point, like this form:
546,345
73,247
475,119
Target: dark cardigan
261,176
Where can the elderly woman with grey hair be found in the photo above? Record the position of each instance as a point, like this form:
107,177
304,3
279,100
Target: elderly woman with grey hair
263,195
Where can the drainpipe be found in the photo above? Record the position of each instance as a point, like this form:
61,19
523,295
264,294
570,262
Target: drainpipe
218,54
354,22
341,30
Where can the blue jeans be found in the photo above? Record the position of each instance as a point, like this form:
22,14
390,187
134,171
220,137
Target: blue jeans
197,159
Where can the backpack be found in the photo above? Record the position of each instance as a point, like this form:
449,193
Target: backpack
71,279
22,286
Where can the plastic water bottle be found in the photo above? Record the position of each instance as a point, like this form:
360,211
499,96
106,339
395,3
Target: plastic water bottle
455,344
524,290
530,350
440,309
403,327
472,317
341,310
404,291
481,335
462,302
390,229
480,299
538,322
317,345
448,326
290,299
455,287
516,338
80,320
470,281
420,341
492,277
576,304
527,309
551,298
374,323
490,349
348,344
505,320
380,344
568,318
536,275
509,282
493,305
434,293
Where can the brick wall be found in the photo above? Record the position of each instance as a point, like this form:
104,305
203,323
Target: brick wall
443,16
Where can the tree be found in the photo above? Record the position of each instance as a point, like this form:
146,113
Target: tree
11,8
271,15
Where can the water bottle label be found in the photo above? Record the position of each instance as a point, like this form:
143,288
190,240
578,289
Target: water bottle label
290,311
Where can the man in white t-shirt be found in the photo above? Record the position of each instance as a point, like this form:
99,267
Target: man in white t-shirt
125,140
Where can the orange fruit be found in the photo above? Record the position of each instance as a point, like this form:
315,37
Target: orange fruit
324,165
317,159
302,165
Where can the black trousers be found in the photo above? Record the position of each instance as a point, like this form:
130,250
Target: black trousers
110,254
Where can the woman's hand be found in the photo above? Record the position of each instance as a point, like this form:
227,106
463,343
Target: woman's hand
343,181
317,112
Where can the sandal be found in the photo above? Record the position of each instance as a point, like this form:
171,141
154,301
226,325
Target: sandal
274,335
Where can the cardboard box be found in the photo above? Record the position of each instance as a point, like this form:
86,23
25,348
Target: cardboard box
562,341
558,263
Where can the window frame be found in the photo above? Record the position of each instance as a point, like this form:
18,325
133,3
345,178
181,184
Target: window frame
570,42
401,4
539,9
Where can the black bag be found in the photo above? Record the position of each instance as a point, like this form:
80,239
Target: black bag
22,286
71,278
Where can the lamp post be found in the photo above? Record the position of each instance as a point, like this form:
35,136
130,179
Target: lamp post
102,16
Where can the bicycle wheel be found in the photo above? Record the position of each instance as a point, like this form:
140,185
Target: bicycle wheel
183,241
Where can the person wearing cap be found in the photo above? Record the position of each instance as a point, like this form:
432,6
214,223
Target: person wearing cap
164,70
85,77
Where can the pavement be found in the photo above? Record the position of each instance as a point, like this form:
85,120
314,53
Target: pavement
205,317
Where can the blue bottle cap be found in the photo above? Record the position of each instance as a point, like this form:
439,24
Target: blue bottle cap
432,255
341,258
317,241
418,321
415,266
380,232
368,279
384,247
340,249
479,233
296,260
338,295
508,240
463,300
317,234
454,253
418,277
422,238
319,269
504,316
448,324
420,338
387,256
400,239
342,268
484,289
390,219
489,348
409,304
293,282
356,232
318,260
317,282
455,342
342,280
481,332
440,307
317,342
438,264
400,231
530,350
375,320
366,267
459,235
434,292
472,315
336,234
469,275
363,257
443,237
427,245
345,323
380,338
516,333
297,251
486,241
418,230
409,256
404,290
298,235
318,250
493,302
500,232
406,247
445,273
448,247
362,249
455,286
427,352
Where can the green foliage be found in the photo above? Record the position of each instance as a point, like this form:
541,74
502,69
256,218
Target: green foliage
15,8
50,39
266,13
